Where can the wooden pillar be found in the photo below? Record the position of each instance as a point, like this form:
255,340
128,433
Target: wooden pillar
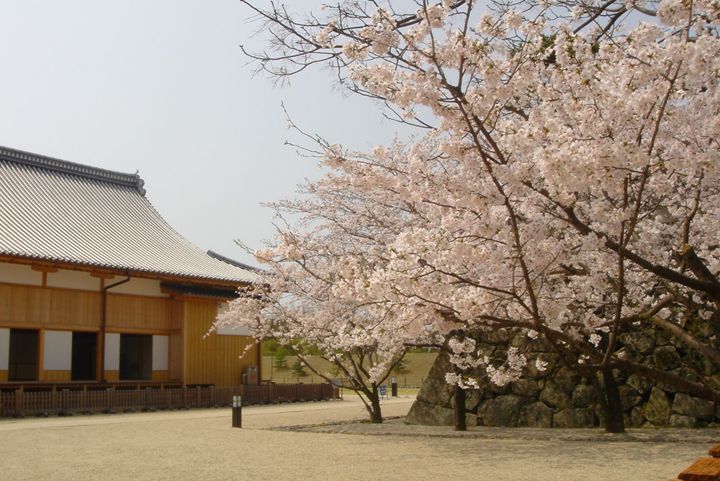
100,357
258,360
41,355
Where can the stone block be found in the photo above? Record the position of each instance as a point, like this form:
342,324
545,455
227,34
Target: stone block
666,358
525,387
640,384
536,415
473,397
584,396
629,397
436,391
503,411
636,417
567,379
430,415
599,414
657,408
482,409
678,421
693,407
700,363
574,418
554,396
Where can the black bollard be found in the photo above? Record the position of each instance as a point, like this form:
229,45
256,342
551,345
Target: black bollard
237,412
394,386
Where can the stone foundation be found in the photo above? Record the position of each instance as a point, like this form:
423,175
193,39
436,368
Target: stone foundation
560,397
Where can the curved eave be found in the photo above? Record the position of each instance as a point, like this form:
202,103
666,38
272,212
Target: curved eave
119,271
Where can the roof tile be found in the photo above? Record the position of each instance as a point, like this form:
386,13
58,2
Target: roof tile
65,212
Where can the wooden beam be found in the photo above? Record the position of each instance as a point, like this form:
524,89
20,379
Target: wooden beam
102,274
43,268
133,273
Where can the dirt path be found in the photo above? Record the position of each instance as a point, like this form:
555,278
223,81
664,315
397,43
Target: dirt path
190,445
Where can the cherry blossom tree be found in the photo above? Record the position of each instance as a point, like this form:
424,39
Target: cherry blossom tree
564,183
307,303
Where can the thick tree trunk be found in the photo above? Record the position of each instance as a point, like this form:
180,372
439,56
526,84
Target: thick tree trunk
374,408
459,406
614,422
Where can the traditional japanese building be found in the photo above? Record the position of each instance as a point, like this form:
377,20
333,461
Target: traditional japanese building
95,285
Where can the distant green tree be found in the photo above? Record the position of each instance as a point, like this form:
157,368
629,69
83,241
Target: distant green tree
298,368
280,358
269,347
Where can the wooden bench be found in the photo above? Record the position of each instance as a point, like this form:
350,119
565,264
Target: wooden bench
704,469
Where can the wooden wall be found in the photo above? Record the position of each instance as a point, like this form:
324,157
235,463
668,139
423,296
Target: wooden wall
56,308
139,313
36,307
193,358
161,375
214,359
54,376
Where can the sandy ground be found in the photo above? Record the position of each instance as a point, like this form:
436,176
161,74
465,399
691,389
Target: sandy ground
201,445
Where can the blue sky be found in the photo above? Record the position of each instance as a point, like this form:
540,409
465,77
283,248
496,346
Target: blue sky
162,87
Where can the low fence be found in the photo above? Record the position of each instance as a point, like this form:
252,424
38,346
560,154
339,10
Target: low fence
409,382
25,402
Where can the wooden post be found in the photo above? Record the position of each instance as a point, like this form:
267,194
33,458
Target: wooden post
237,411
19,400
109,400
41,355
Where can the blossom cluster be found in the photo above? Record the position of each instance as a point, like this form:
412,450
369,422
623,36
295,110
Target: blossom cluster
567,183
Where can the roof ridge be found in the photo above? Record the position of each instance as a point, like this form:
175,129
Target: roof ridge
64,166
233,262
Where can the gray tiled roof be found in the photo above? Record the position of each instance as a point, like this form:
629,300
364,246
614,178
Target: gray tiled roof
64,212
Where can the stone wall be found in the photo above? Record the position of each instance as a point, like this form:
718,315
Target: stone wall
559,397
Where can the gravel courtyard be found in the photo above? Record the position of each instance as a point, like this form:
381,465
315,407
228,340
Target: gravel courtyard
201,445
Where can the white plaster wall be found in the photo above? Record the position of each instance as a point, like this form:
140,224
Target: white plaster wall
112,351
73,280
58,351
19,274
160,353
136,286
4,349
